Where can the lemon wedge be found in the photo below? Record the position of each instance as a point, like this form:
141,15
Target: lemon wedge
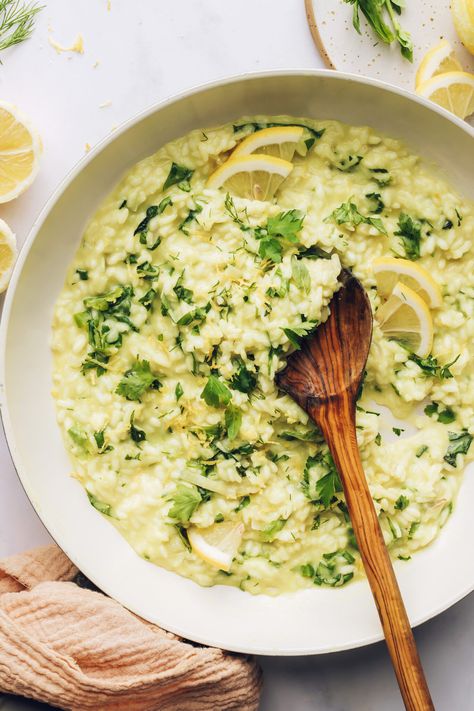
463,17
406,317
440,58
20,147
452,90
280,141
8,253
255,177
217,544
389,271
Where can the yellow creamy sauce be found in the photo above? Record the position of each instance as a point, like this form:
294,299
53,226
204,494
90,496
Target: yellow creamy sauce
187,296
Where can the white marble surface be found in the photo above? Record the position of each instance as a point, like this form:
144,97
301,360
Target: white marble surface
146,50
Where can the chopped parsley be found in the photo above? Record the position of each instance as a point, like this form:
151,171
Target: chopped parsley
347,164
280,231
401,503
136,434
151,212
181,292
83,274
244,501
80,438
186,499
409,230
322,490
296,334
147,271
421,450
348,213
137,380
244,380
376,199
179,175
215,393
123,204
190,217
445,416
273,528
381,176
147,299
233,420
378,439
178,391
195,315
431,367
102,447
300,274
459,443
397,431
104,508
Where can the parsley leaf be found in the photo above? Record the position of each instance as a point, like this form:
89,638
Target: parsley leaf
179,175
410,232
323,490
215,393
347,164
271,530
178,391
430,366
83,274
233,421
300,275
186,499
348,213
181,292
80,438
296,334
244,380
136,434
280,231
152,212
190,217
104,508
401,503
137,380
459,444
147,299
379,203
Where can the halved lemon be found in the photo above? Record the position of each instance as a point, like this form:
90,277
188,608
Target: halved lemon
280,141
452,90
440,58
405,317
8,254
389,271
463,16
255,177
217,544
20,147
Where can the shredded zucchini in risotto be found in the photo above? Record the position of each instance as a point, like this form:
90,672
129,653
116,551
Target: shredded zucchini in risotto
182,303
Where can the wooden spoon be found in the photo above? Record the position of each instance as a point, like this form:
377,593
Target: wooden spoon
324,378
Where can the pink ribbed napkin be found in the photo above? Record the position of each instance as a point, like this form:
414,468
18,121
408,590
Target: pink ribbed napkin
78,649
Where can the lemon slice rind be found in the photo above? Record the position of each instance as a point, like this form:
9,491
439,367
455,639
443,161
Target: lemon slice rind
453,91
280,141
216,545
463,17
255,177
8,254
406,317
20,148
439,59
389,271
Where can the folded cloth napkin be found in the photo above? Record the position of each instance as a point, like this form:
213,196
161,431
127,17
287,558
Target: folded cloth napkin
75,648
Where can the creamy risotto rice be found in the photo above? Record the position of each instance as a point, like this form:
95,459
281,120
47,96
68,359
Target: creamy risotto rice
181,304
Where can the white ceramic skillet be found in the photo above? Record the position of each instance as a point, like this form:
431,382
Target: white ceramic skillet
307,622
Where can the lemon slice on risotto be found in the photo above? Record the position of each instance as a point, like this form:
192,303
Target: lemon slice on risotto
389,271
217,544
279,141
406,317
255,177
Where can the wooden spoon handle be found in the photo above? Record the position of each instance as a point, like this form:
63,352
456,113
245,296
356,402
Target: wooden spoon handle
337,422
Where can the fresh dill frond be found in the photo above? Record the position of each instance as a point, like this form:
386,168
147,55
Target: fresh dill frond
16,21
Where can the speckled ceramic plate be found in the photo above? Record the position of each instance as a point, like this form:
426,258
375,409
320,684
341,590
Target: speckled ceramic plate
342,48
306,622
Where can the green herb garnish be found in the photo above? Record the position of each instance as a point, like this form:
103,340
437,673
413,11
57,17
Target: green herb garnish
104,508
186,499
179,175
296,334
16,21
137,380
244,380
401,503
215,393
378,14
272,529
233,421
459,444
410,232
136,434
348,213
279,232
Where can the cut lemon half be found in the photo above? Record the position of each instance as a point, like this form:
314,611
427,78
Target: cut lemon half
20,147
452,90
405,317
440,58
463,17
218,544
280,141
255,177
8,253
389,271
